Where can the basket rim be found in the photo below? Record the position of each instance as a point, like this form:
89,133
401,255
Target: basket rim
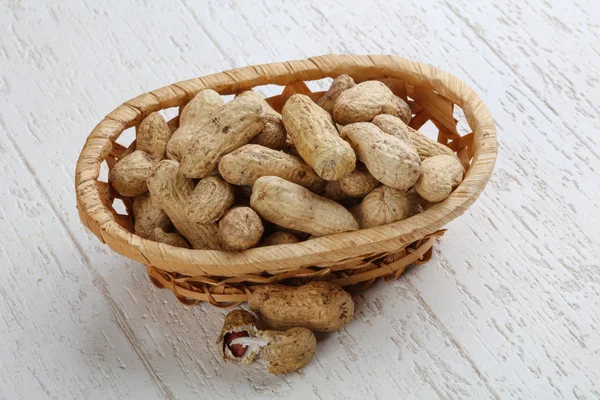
319,251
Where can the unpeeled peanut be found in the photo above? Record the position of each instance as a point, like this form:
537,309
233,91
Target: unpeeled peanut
241,228
293,206
390,160
383,205
210,200
273,135
193,117
440,175
359,183
333,191
171,190
339,84
424,146
230,127
365,101
148,216
316,139
129,174
393,126
318,306
248,163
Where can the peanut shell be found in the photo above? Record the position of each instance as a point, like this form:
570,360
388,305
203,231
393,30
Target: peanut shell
390,160
230,127
171,190
193,117
293,206
248,163
241,228
359,183
365,101
210,200
424,146
440,175
128,176
148,216
383,205
318,306
152,136
316,139
235,322
288,351
339,84
393,126
273,135
333,191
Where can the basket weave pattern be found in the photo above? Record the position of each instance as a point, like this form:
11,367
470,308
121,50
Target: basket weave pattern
354,259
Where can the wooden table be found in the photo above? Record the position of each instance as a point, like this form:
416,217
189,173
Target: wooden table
507,308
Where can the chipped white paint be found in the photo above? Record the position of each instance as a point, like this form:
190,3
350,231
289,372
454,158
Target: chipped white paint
508,308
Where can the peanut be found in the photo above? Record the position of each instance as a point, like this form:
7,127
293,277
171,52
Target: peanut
339,84
283,352
273,135
440,175
238,324
359,183
152,136
318,306
383,205
279,237
170,238
230,127
365,101
390,160
210,200
293,206
148,216
248,163
241,228
193,117
171,190
288,351
424,146
316,139
129,174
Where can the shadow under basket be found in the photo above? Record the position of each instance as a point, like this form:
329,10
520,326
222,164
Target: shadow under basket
353,260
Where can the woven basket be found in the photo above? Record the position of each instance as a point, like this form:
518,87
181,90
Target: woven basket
354,259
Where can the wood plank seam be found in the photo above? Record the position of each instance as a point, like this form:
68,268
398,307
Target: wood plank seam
100,283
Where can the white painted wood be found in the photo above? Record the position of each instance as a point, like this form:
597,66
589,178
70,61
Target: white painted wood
508,307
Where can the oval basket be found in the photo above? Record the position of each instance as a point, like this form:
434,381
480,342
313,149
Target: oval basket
353,260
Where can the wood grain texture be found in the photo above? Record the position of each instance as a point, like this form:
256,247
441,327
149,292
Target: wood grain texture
508,307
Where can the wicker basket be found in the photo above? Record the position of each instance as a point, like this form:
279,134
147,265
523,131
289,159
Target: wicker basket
353,260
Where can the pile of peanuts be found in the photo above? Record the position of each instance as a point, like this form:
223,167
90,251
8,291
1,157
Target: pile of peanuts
237,175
